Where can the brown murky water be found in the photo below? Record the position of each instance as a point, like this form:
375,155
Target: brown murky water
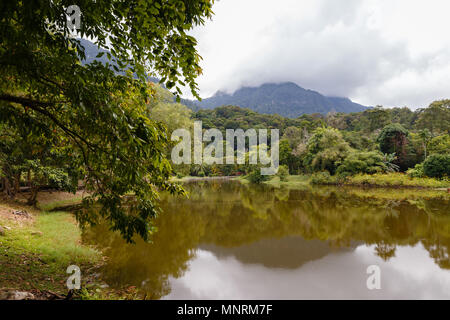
234,241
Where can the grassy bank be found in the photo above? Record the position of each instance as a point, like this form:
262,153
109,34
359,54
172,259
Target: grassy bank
37,246
375,187
386,180
192,178
390,180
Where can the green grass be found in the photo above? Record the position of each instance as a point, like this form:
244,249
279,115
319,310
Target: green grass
408,194
388,180
192,178
35,255
294,181
385,180
396,180
59,203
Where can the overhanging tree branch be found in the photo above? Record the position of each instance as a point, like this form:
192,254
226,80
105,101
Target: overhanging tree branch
26,101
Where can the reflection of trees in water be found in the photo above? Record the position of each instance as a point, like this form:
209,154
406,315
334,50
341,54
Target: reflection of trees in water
230,215
385,251
289,252
439,252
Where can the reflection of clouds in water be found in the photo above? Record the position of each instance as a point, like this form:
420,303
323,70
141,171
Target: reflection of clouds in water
411,274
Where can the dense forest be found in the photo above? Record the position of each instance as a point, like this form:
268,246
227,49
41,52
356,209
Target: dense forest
375,140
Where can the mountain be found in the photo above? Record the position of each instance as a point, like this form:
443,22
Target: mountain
286,99
91,50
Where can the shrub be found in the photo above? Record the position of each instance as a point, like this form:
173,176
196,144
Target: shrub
396,180
362,162
416,172
255,176
325,150
283,172
437,165
180,175
322,177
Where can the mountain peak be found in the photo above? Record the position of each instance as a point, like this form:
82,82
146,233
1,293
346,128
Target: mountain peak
284,98
220,93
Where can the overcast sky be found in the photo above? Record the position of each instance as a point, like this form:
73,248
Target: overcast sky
376,52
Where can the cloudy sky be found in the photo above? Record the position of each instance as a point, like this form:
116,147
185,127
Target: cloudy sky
377,52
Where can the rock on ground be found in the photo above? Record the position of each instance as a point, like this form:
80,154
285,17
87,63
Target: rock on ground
16,295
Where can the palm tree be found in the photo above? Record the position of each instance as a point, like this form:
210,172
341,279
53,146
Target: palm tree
388,161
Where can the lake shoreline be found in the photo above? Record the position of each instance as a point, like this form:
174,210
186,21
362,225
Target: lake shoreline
387,181
45,243
30,236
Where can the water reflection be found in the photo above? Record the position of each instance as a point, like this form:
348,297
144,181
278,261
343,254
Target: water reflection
234,241
339,275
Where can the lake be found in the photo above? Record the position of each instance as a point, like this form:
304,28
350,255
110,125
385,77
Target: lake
234,241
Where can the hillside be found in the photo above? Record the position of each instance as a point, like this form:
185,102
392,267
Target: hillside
286,99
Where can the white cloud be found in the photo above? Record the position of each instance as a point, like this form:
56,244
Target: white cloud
393,53
411,274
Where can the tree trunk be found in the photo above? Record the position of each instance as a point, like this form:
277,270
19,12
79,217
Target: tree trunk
33,195
17,183
7,188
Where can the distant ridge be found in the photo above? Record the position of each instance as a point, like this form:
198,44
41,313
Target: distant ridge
286,99
91,50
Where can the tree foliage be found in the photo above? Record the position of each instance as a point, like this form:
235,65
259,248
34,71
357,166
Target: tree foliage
393,139
95,117
362,162
435,118
437,166
326,149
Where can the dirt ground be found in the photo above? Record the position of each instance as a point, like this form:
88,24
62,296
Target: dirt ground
8,207
52,196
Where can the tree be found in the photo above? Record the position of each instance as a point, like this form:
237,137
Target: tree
439,144
101,115
393,139
389,162
436,118
173,115
425,136
283,173
28,148
285,152
293,135
437,166
362,162
378,118
326,149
